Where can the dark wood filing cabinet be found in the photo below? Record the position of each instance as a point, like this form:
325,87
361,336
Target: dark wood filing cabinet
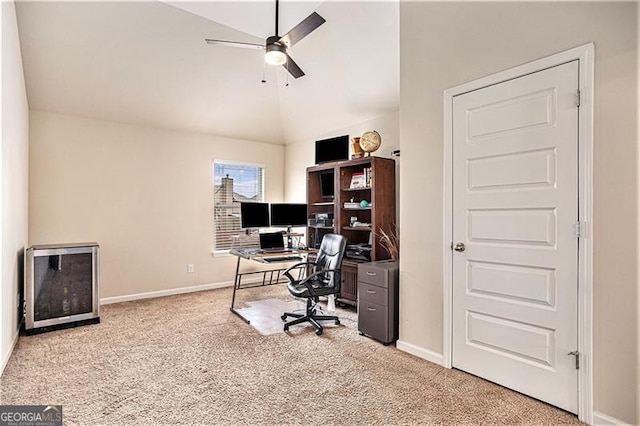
378,300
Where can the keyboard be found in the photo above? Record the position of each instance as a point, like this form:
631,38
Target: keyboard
281,258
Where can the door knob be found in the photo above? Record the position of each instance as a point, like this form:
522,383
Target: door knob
460,247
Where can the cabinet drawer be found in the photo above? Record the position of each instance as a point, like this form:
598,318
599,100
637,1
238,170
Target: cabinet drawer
372,275
373,320
373,293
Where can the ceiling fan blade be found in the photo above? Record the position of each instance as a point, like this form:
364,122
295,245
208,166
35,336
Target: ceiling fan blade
293,68
303,29
235,44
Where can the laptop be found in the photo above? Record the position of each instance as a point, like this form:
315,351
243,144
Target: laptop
272,242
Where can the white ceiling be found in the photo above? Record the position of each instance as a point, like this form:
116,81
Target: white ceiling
147,63
252,17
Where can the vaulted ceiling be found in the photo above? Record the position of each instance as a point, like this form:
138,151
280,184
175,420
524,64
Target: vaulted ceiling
147,63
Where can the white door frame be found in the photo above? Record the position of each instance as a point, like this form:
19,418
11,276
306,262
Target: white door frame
585,55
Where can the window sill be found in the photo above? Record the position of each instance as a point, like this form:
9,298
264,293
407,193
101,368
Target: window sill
221,253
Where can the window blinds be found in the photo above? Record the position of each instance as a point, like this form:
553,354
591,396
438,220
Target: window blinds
234,183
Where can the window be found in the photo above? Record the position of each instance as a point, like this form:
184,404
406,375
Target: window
233,183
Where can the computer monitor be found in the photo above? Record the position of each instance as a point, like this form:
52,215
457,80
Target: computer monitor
333,149
254,215
288,215
326,184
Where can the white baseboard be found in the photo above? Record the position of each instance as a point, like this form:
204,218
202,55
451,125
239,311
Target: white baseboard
601,419
430,356
5,358
162,293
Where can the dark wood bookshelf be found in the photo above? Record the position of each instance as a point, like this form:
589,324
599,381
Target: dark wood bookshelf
380,192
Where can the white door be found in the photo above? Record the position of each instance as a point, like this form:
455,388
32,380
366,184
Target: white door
515,206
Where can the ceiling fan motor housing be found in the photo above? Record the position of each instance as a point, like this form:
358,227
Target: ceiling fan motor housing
274,40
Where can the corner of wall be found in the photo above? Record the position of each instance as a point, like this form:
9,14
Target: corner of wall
14,182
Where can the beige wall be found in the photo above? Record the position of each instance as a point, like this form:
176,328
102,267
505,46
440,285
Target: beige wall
144,194
301,154
14,178
444,45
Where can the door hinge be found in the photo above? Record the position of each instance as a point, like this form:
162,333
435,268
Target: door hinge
576,354
578,93
578,230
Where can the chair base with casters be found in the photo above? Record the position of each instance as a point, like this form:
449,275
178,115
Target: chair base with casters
309,316
323,280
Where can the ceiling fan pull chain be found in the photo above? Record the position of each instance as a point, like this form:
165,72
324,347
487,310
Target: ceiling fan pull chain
287,85
264,80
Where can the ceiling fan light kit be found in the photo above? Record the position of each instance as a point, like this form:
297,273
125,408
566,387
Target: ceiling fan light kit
276,53
276,47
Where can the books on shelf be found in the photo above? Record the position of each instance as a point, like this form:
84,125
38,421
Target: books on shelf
368,177
358,180
351,205
361,179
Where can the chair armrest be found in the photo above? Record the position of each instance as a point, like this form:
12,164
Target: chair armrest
315,274
297,265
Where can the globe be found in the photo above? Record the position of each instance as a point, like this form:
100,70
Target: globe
370,141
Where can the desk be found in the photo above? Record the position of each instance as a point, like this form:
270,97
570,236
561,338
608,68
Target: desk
270,276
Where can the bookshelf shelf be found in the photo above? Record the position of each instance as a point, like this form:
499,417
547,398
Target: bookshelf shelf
357,189
357,228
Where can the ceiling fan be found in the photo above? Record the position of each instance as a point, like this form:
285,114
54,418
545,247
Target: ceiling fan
276,47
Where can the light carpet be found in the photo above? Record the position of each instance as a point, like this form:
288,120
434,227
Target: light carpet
187,359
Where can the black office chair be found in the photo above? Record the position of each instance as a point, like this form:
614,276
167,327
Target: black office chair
322,281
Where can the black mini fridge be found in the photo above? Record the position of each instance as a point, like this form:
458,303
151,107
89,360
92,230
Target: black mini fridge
61,286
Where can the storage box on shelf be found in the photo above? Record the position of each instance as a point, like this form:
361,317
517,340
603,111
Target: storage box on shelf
358,198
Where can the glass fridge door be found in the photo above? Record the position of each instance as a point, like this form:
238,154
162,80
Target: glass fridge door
62,285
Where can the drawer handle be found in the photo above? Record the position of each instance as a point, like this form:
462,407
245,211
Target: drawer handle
371,309
371,291
372,274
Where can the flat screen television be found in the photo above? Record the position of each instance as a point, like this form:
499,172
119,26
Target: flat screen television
333,149
254,215
288,215
326,184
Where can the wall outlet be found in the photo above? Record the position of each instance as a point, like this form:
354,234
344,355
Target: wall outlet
190,268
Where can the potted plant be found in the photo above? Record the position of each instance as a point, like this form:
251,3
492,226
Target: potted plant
391,242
